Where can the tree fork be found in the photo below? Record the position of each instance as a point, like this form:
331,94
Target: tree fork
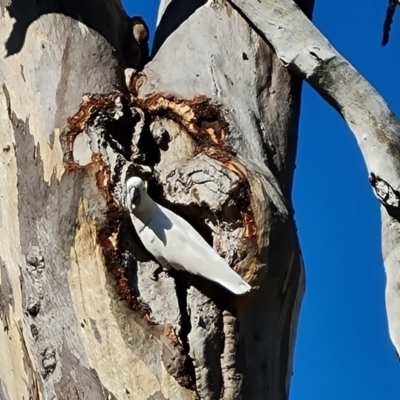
217,140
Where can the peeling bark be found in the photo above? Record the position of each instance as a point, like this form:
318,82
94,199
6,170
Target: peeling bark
211,123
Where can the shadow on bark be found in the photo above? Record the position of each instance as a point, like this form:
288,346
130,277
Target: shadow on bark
25,12
177,12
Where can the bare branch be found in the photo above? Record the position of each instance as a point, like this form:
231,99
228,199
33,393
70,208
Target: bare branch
391,9
302,48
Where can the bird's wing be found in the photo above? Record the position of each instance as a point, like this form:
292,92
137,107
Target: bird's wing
152,235
186,249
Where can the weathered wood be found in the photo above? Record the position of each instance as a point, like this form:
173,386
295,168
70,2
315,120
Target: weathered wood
303,49
65,331
211,122
240,144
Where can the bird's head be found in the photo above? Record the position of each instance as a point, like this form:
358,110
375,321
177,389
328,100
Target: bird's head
135,189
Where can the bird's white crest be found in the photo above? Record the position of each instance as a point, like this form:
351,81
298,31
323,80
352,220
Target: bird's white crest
135,188
174,242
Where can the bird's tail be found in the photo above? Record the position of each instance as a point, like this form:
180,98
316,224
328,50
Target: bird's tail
235,284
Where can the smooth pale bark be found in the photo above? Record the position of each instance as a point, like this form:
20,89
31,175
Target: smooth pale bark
303,49
212,123
241,144
65,333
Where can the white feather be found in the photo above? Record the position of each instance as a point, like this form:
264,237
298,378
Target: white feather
174,242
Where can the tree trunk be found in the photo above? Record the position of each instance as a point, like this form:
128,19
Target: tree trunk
211,122
303,49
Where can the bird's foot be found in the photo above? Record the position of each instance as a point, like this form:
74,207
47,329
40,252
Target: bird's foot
155,275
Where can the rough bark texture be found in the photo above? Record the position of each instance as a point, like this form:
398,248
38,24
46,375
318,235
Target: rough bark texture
211,122
303,49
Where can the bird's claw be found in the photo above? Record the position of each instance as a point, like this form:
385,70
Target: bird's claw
155,275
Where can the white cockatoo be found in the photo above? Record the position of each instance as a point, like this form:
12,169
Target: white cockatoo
173,242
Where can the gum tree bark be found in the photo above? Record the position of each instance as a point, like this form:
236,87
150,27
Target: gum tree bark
303,49
211,122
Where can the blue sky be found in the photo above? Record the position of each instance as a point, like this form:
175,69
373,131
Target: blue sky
343,350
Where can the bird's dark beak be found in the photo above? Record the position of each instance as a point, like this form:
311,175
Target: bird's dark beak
134,196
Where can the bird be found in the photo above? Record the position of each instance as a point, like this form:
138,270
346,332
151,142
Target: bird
173,242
